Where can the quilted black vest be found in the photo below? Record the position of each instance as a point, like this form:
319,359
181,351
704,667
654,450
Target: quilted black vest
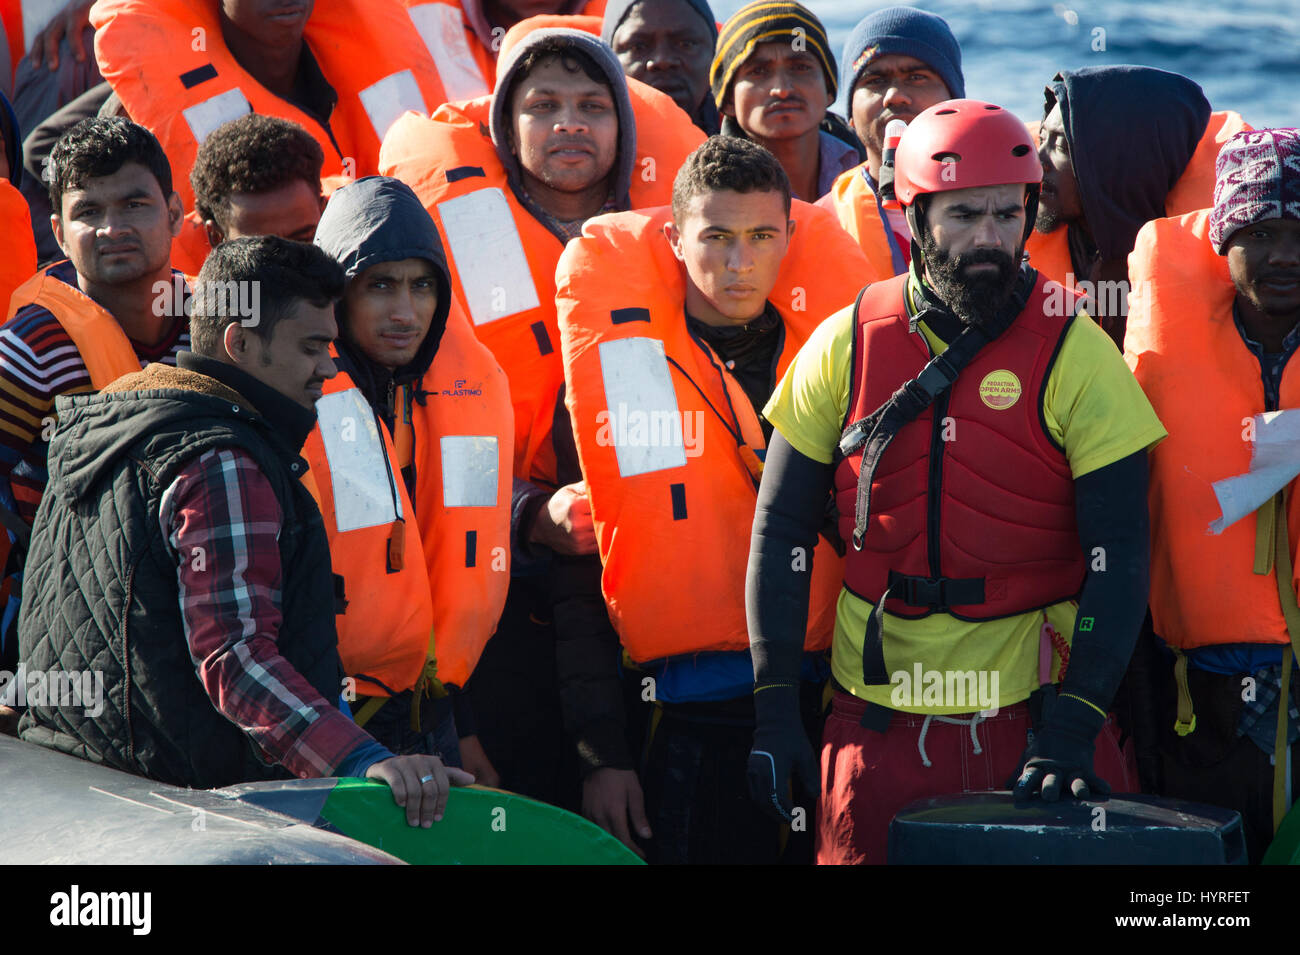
101,590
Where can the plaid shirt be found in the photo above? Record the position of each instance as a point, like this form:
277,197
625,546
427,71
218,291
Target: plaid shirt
221,520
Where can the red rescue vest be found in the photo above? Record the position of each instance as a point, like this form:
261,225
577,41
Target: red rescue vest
667,438
503,259
1205,386
974,489
168,63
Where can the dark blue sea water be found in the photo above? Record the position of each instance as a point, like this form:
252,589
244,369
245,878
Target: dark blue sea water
1244,53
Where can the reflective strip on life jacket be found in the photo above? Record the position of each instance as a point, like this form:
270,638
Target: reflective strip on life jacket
470,467
485,244
441,26
104,348
666,437
1205,386
389,98
465,523
639,387
203,118
365,484
385,631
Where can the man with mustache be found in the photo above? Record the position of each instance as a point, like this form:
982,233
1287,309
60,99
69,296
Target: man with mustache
993,472
112,305
667,44
897,62
1212,339
773,80
179,551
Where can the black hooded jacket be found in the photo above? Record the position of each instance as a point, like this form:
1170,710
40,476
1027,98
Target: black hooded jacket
1131,131
373,220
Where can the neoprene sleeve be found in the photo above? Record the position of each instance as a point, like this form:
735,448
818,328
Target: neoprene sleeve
790,511
1114,532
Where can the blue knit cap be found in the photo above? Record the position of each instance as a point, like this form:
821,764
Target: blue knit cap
909,32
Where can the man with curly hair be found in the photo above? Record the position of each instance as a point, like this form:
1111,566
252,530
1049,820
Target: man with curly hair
258,175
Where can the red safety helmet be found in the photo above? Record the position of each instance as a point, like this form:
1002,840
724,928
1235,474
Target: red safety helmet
963,144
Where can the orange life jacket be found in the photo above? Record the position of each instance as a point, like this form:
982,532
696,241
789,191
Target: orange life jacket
106,351
464,437
17,247
667,438
1050,252
502,259
468,69
854,204
168,63
435,586
1205,386
386,629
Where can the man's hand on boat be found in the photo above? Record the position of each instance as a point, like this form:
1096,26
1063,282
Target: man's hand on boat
421,784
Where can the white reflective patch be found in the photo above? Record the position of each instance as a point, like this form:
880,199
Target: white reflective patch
206,116
387,100
489,255
469,470
440,26
364,495
641,419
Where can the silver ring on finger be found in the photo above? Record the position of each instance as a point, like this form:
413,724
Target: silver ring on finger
427,779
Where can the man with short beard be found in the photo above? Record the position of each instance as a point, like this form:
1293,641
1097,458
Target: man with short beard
1212,338
897,62
964,377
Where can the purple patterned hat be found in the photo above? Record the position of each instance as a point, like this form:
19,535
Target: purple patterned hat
1256,177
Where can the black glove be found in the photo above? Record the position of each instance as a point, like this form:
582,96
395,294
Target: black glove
1060,754
780,746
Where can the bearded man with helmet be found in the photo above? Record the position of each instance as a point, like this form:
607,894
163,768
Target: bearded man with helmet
987,448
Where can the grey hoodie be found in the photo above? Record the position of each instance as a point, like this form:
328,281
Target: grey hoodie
561,40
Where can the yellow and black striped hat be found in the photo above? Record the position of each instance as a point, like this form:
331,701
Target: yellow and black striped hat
767,21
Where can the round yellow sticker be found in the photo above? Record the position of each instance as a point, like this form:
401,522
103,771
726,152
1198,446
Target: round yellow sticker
1000,389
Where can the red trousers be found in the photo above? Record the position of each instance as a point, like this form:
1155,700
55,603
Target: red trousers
868,776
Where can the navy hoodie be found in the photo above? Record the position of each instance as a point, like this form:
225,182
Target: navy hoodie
1131,132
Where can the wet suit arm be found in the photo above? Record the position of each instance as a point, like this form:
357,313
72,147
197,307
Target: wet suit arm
1112,518
1114,531
790,511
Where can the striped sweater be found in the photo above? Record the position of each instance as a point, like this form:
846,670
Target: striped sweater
39,362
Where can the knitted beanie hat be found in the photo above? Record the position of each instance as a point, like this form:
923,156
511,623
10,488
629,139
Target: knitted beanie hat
767,22
1256,177
909,32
